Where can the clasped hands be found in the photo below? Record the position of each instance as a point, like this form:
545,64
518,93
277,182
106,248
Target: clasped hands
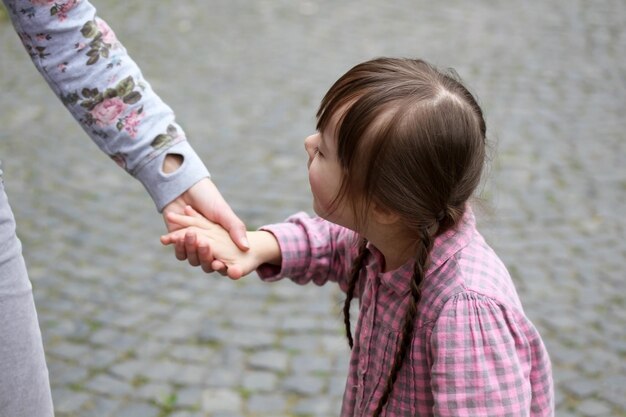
206,198
215,238
210,242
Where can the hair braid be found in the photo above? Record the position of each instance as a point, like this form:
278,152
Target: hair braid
419,269
352,280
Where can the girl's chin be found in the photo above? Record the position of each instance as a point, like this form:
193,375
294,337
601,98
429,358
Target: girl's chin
330,216
321,212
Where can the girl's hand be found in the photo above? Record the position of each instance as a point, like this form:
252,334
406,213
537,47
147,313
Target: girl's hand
213,241
206,198
188,247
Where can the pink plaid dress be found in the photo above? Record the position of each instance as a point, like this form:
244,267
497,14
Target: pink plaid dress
474,352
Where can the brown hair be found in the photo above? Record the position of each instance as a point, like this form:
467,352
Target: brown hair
411,138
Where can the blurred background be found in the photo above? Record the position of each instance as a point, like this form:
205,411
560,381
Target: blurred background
130,331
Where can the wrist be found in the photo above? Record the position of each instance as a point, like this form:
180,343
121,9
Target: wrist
265,248
167,187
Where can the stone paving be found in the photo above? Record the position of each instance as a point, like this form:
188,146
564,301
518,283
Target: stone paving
130,331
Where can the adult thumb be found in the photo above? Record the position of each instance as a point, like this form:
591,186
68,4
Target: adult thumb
236,228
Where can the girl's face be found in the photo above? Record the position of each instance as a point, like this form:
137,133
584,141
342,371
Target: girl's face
325,176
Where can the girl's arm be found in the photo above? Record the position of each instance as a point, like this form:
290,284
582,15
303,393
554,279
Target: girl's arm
303,248
487,359
312,250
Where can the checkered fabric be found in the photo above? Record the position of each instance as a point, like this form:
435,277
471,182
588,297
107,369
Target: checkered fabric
473,353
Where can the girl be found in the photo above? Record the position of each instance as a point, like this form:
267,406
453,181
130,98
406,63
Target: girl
398,152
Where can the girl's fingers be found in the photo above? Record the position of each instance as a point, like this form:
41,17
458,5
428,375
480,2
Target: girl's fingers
198,219
187,245
176,238
219,266
191,218
206,268
204,254
179,250
190,211
190,243
173,237
235,272
181,219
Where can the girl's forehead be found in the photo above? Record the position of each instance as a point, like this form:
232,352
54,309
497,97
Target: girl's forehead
328,139
334,123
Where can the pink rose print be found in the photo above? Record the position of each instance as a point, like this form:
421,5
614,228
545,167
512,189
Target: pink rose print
132,122
58,9
108,36
62,9
107,112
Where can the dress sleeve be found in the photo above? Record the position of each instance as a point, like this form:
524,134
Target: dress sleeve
488,361
312,250
90,71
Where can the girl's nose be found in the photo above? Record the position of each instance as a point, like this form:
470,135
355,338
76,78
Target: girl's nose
309,145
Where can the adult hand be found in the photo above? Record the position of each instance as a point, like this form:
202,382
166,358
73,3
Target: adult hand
216,239
205,198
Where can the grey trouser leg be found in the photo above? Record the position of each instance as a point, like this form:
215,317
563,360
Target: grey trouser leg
24,383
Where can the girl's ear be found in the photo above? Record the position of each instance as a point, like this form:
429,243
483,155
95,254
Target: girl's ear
383,215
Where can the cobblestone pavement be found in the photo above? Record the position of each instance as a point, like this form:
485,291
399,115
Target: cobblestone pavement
130,331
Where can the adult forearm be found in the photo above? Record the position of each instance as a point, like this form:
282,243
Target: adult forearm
87,67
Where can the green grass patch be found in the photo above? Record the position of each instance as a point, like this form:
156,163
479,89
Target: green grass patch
4,15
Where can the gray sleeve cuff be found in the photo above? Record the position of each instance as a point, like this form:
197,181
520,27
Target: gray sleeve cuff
164,188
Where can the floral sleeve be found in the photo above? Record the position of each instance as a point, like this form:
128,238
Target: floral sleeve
90,71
